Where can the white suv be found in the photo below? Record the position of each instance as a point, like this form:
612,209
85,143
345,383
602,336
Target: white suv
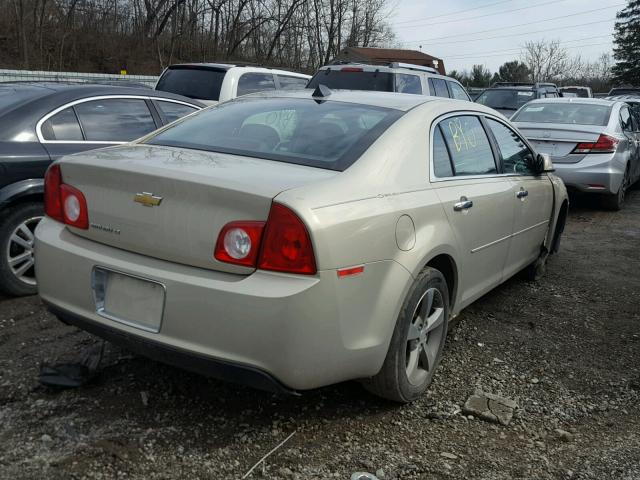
395,77
212,83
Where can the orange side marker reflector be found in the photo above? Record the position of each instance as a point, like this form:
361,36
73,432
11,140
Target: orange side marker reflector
350,271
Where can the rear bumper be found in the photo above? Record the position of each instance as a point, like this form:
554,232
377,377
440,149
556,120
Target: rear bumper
301,332
595,173
211,367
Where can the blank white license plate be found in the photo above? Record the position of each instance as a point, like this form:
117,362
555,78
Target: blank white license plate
134,301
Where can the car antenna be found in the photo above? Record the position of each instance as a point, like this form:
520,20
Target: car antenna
322,91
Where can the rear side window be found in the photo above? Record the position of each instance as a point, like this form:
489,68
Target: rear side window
353,79
625,120
255,82
467,141
441,160
291,83
408,84
330,135
115,120
438,87
173,111
192,82
62,126
515,154
457,91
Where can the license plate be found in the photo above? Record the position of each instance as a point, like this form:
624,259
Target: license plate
134,301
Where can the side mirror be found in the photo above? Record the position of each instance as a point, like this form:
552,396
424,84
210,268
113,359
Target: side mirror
540,164
547,164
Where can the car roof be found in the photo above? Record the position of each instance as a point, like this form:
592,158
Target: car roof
33,90
397,101
229,66
388,69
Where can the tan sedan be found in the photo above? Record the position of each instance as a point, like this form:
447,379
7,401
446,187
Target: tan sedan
295,240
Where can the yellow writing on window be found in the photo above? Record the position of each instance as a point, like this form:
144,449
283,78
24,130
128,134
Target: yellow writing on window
462,139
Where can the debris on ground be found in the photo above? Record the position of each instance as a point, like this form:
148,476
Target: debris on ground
490,407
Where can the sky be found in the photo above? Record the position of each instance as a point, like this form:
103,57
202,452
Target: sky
491,32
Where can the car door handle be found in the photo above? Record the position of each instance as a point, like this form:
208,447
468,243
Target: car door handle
522,194
463,204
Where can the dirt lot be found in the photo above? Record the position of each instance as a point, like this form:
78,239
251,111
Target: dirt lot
566,348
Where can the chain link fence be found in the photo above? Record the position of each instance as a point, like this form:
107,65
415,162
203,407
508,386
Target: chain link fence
105,78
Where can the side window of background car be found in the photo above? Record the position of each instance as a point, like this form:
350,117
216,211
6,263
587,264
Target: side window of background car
408,84
457,91
438,87
291,83
255,82
515,153
173,111
115,120
469,146
625,120
62,126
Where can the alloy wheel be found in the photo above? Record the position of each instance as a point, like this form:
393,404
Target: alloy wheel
20,251
425,336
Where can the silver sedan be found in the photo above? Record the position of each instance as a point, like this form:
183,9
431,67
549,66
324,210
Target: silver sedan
594,144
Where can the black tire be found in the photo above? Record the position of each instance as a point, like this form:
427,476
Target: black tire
615,201
392,382
13,217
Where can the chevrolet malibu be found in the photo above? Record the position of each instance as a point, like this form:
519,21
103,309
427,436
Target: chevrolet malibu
295,240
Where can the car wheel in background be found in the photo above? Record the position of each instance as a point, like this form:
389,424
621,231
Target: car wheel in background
616,200
17,275
417,342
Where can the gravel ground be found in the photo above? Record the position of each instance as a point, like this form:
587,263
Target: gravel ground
567,349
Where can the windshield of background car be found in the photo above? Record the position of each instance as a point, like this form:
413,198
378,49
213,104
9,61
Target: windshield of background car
505,99
566,113
192,82
353,80
331,135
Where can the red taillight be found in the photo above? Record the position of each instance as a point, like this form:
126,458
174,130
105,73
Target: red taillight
62,202
239,243
351,69
286,245
74,207
282,244
604,144
52,197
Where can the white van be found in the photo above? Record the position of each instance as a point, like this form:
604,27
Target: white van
212,83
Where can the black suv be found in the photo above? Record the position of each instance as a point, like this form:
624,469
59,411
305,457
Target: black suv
507,97
40,122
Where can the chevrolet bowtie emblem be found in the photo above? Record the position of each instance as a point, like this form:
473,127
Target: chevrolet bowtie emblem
147,199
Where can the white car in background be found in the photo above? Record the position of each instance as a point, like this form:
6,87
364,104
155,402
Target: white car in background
212,83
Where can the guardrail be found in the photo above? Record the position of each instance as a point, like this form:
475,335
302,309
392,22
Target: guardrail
40,76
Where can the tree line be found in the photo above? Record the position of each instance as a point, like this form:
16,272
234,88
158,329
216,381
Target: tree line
143,36
544,61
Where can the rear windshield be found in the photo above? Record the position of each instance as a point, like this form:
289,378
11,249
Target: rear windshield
192,82
350,80
575,92
566,113
328,134
505,99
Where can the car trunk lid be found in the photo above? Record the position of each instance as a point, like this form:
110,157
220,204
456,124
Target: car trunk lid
171,203
559,140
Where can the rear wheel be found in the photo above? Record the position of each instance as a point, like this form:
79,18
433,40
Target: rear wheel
17,273
616,200
417,342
